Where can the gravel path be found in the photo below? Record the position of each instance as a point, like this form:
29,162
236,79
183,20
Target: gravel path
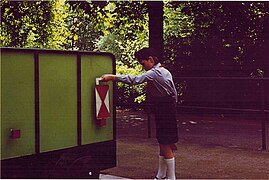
210,147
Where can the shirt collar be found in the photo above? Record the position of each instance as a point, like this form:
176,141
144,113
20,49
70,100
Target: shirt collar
157,65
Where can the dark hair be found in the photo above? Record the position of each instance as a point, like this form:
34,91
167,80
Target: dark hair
144,53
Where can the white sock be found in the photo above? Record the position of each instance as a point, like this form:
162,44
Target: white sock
162,168
170,168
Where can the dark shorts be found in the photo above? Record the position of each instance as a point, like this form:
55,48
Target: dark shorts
166,122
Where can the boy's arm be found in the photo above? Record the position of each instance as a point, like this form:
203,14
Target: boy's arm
127,78
108,77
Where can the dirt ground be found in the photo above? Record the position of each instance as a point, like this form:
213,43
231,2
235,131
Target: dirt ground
211,146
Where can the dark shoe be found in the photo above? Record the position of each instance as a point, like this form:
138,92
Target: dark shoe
155,178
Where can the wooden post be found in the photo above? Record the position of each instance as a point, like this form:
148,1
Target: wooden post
263,116
264,84
155,10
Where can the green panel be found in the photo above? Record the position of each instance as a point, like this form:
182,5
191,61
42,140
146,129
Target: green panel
17,104
58,101
93,67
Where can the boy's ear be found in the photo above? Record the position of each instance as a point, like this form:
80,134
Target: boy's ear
151,59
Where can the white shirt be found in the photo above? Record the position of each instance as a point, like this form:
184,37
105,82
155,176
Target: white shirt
159,82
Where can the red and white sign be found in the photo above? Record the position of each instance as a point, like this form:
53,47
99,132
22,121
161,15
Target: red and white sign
102,103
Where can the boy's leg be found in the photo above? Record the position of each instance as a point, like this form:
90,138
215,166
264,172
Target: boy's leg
171,168
167,151
162,168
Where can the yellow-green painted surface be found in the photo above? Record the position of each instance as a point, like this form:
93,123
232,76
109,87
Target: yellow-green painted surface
93,67
58,101
17,104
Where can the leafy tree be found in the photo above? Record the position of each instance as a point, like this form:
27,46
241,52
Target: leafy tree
36,24
224,37
82,21
229,40
23,20
178,30
57,29
125,30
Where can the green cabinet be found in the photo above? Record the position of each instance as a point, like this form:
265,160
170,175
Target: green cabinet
57,101
48,95
17,104
93,67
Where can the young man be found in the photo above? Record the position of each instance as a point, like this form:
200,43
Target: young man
162,93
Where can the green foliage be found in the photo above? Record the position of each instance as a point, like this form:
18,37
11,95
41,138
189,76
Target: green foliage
57,29
35,24
178,30
130,93
226,34
21,21
82,25
125,31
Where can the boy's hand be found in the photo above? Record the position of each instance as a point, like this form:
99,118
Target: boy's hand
108,77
